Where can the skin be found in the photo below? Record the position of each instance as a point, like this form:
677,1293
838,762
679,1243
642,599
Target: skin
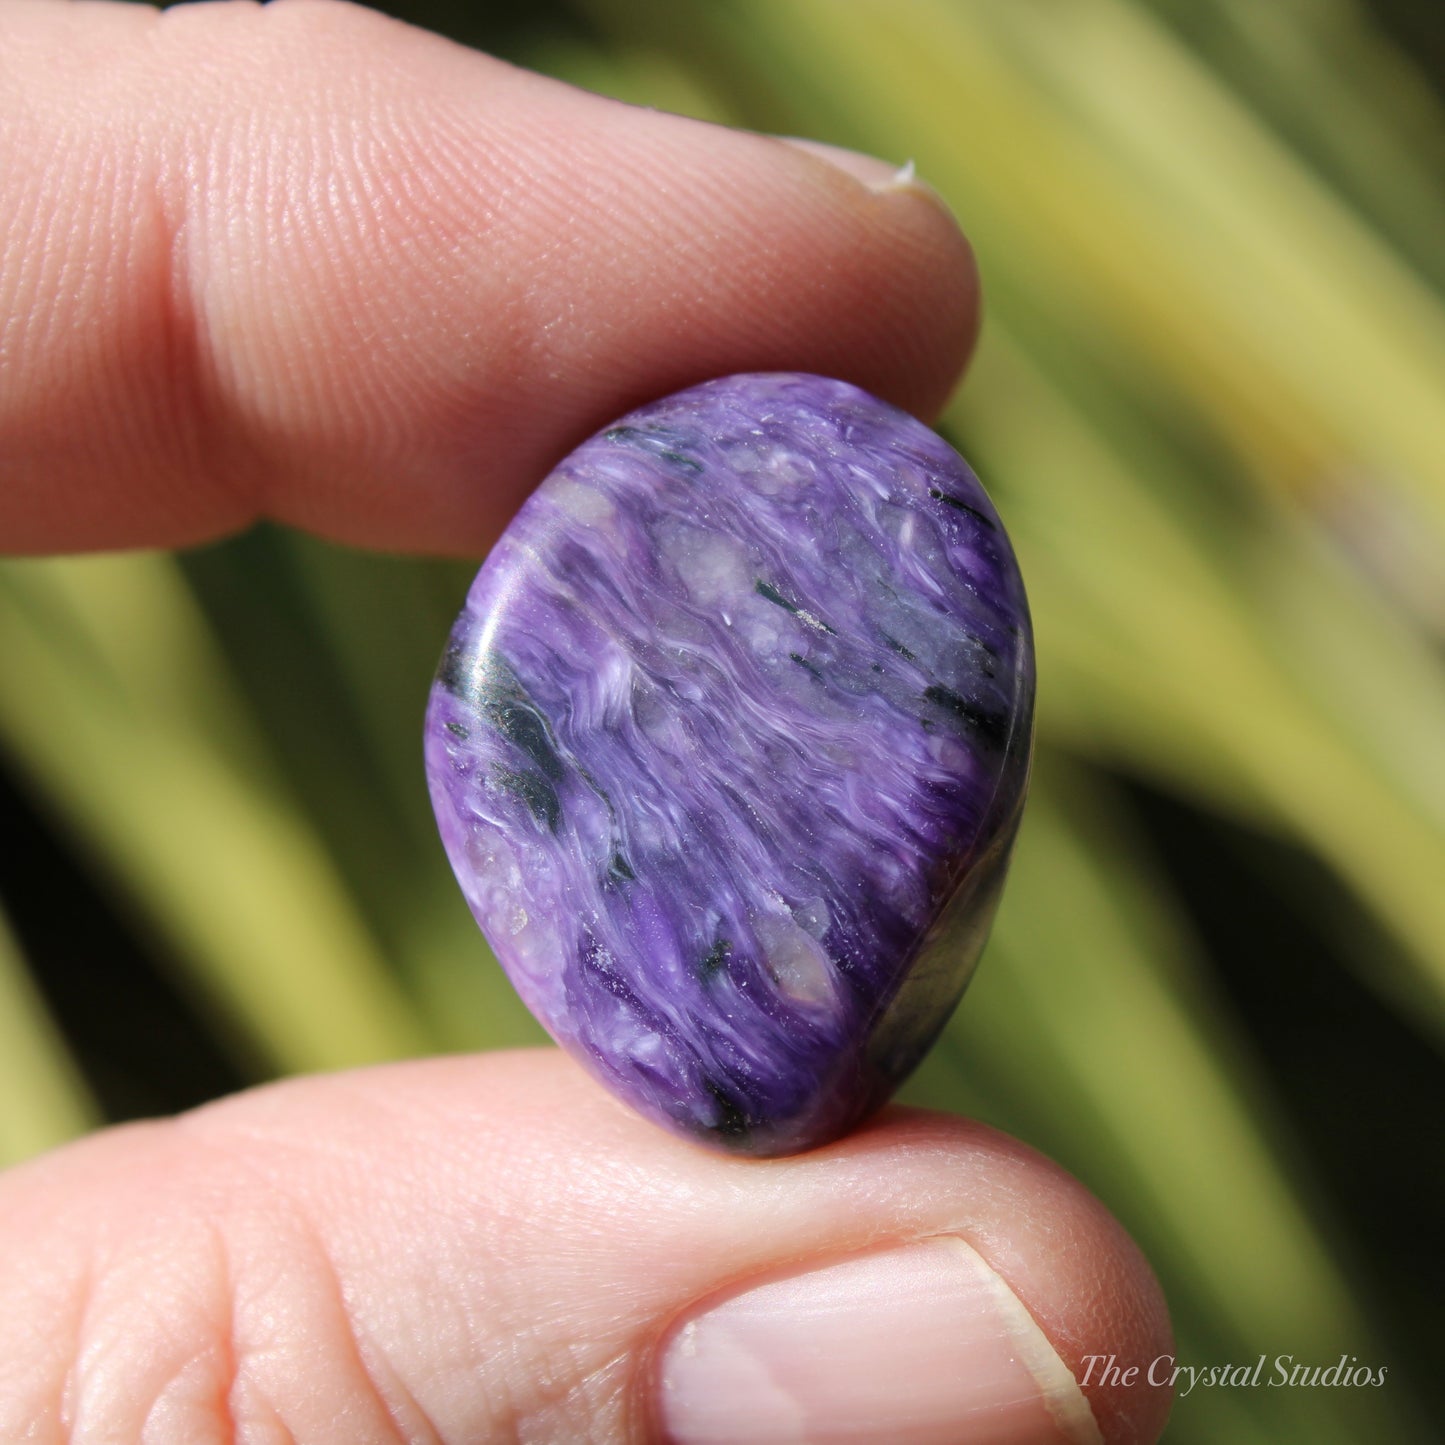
308,264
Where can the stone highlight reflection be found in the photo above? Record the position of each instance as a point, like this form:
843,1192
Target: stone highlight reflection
728,748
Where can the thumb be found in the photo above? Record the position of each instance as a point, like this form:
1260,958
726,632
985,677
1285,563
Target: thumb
489,1248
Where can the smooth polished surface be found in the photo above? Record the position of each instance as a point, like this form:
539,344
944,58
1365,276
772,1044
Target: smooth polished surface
728,747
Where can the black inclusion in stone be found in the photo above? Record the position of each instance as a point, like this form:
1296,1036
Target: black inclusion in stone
457,730
619,870
485,682
993,727
958,504
535,791
732,1123
766,589
503,701
523,726
661,443
461,666
715,958
806,665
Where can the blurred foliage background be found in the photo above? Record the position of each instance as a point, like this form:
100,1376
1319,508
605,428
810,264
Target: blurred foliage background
1210,402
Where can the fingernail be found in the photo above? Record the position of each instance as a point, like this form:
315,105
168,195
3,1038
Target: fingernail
923,1345
878,176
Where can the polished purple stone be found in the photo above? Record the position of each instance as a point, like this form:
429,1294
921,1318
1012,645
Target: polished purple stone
728,749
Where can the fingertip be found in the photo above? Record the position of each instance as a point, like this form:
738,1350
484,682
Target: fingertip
933,263
944,269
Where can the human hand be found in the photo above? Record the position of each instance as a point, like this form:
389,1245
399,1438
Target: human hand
309,264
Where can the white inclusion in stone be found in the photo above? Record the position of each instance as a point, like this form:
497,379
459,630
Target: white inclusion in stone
582,503
537,947
900,523
950,754
782,471
714,568
797,962
615,684
763,631
482,853
791,468
647,1047
812,914
741,457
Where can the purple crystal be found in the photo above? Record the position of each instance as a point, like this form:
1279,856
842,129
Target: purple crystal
728,749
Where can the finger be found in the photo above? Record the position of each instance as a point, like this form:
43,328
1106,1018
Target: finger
308,263
489,1248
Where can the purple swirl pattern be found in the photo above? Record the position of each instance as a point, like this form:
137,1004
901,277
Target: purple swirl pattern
728,748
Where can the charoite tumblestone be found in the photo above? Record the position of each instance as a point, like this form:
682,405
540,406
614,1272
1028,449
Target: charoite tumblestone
728,748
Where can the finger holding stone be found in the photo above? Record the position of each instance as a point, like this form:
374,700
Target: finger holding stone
492,1248
308,263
